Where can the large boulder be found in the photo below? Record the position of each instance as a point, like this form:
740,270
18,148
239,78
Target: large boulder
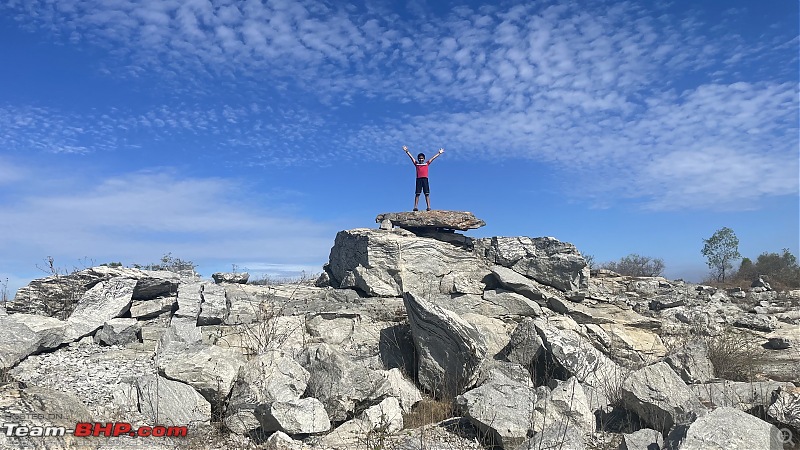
265,379
211,370
168,402
119,331
786,407
22,335
449,349
343,386
660,397
453,220
544,259
301,416
105,301
502,408
730,429
384,263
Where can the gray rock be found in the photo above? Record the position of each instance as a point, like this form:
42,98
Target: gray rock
210,370
691,362
306,416
403,389
563,437
545,259
660,397
449,348
377,262
741,395
758,322
189,299
339,383
148,309
731,429
566,405
155,284
214,307
119,331
169,402
105,301
575,353
267,378
37,406
644,439
501,408
385,417
454,220
786,407
508,303
520,284
525,345
231,277
22,335
778,343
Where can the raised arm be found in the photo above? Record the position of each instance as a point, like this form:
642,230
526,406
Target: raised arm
413,161
441,150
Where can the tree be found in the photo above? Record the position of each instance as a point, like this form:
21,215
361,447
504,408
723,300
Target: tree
781,269
636,266
720,250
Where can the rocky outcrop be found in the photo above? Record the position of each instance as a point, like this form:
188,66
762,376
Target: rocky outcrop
449,349
731,429
451,220
535,352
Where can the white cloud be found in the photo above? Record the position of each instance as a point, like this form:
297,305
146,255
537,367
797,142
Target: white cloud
143,215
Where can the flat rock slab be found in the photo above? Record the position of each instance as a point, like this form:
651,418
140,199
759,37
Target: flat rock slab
454,220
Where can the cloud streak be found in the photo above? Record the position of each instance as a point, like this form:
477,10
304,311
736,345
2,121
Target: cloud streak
634,100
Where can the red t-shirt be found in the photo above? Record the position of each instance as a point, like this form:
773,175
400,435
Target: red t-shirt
422,170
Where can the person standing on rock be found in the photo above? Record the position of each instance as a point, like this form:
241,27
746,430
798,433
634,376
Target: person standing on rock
422,176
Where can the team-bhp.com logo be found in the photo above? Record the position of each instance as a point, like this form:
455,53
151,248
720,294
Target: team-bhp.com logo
92,429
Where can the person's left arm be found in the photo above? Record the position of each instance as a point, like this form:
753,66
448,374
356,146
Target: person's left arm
441,150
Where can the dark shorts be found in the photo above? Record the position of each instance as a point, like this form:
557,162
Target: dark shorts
422,186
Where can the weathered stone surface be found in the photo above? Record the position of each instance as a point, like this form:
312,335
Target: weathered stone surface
454,220
499,302
119,331
386,416
644,439
742,395
691,362
660,397
520,284
214,306
306,416
231,277
401,388
339,383
103,302
525,345
267,378
147,309
731,429
786,407
379,262
189,299
575,353
778,343
37,406
26,334
758,322
210,370
565,405
449,348
171,402
544,259
501,407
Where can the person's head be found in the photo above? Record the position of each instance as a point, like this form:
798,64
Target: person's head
421,157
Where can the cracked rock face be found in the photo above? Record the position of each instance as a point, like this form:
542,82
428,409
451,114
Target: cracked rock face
453,220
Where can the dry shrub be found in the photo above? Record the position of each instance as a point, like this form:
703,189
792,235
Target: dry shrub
734,355
428,411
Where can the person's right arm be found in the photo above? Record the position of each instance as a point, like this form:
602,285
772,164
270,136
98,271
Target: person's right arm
413,161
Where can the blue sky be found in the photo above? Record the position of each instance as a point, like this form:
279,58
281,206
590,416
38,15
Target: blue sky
250,132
